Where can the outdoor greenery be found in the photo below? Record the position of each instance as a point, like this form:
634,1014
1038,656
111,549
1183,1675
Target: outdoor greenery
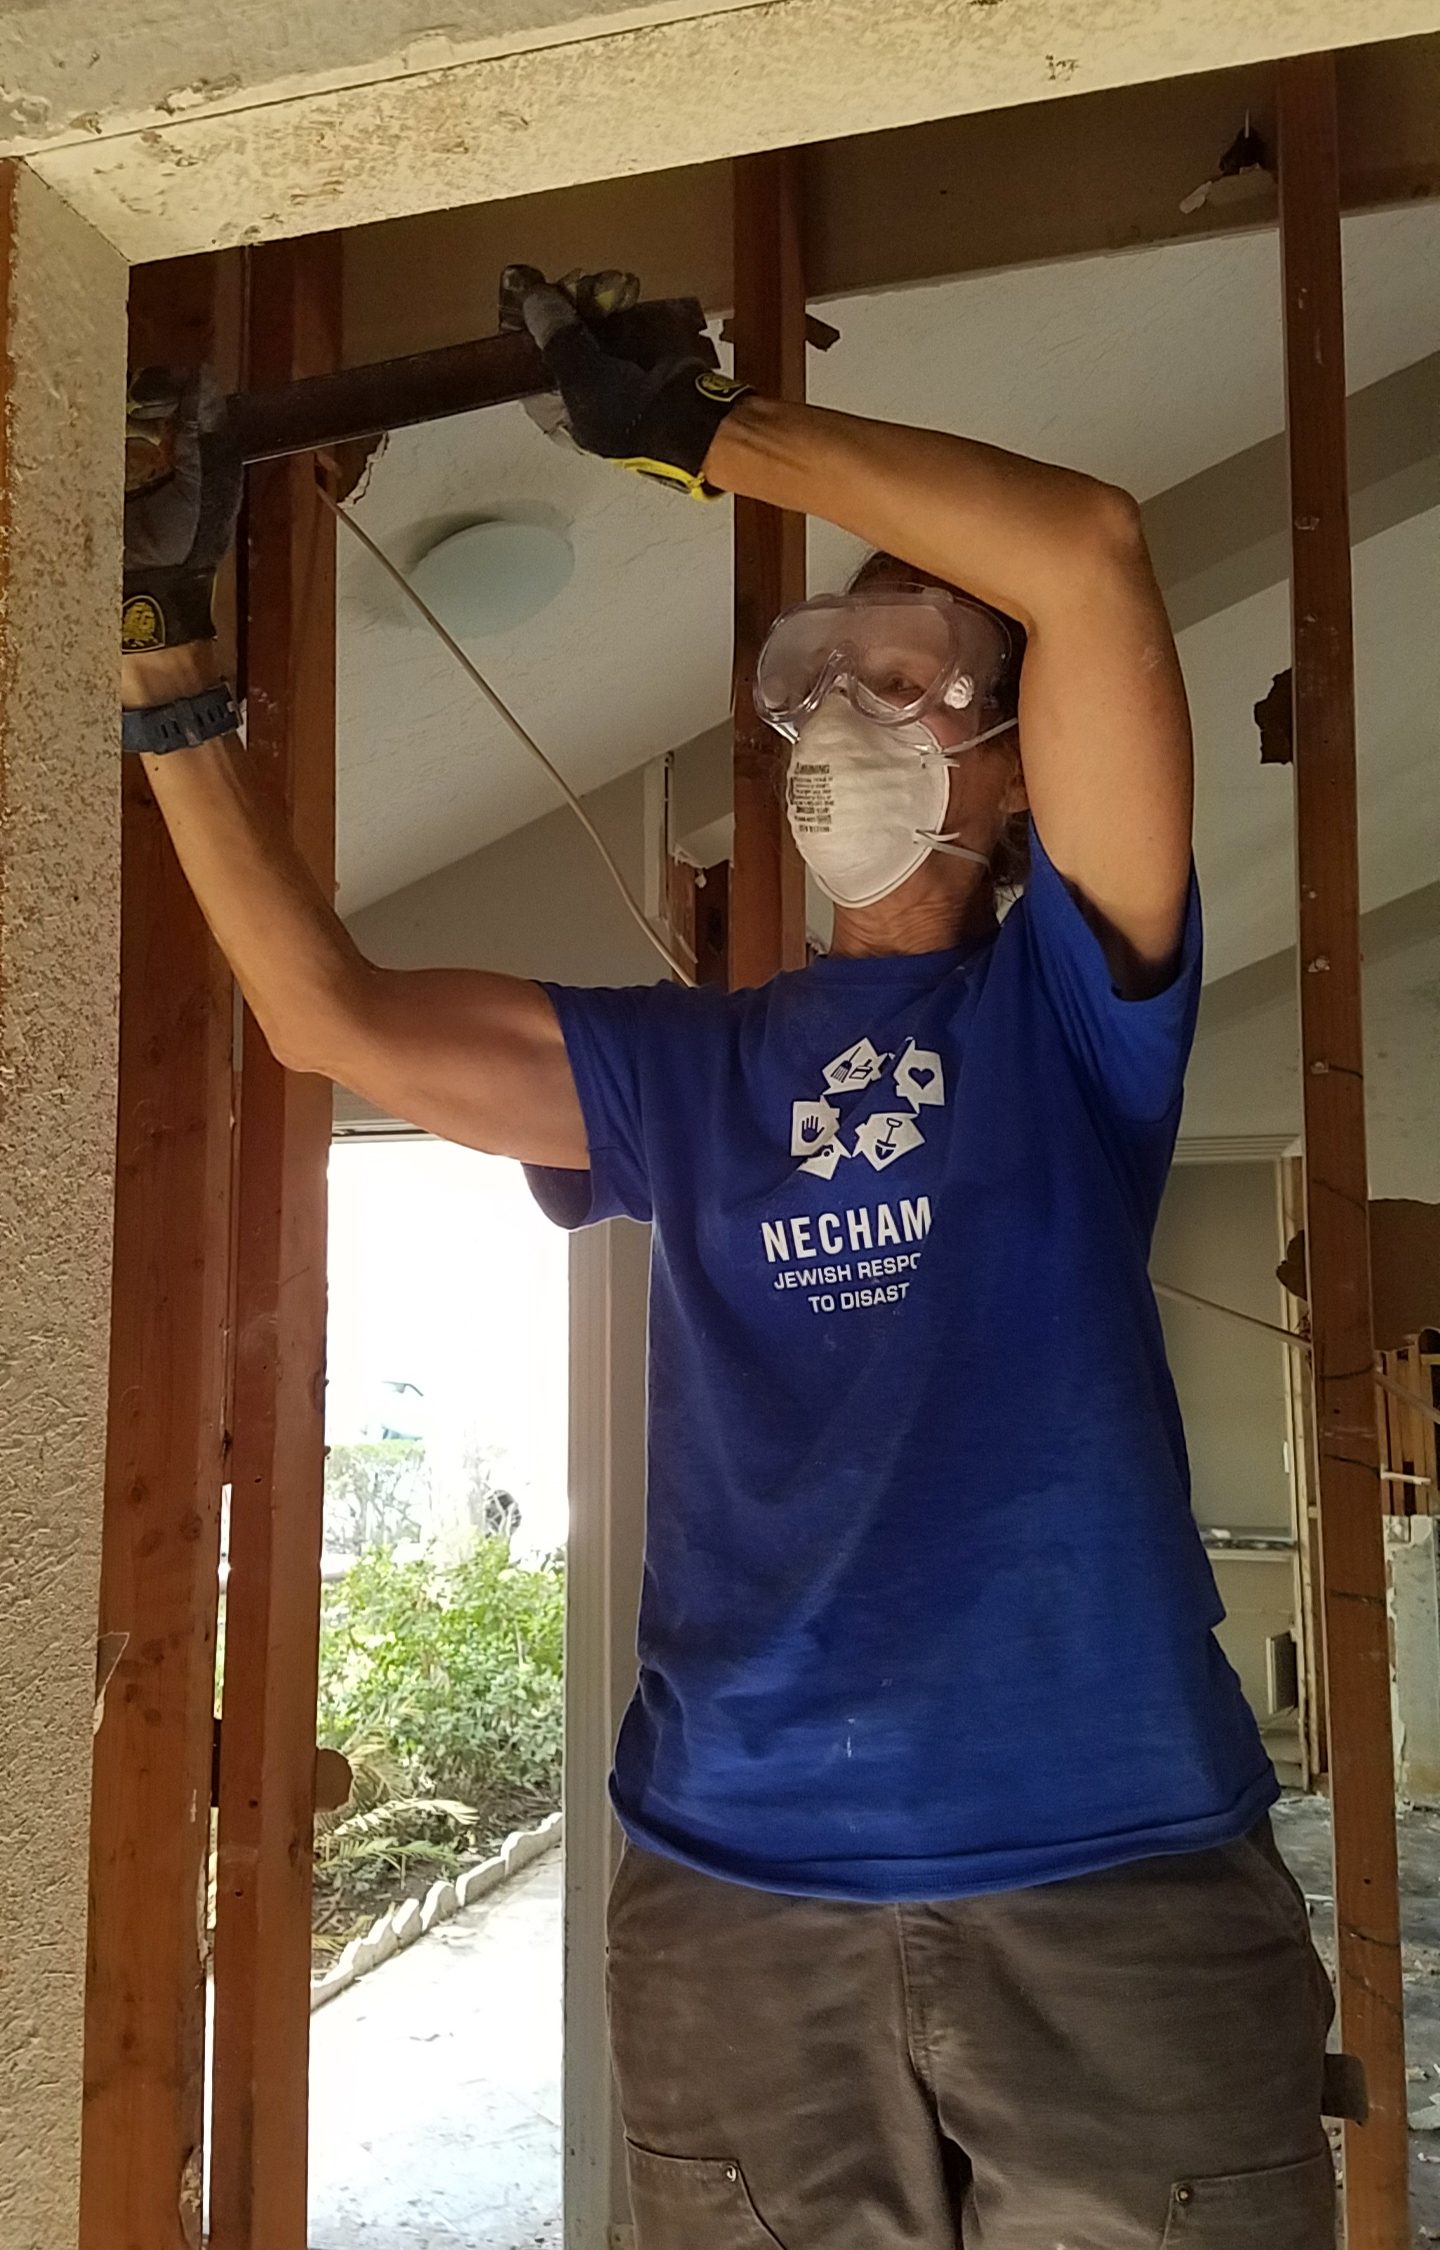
442,1686
373,1494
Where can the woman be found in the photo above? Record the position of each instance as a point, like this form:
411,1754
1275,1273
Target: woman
949,1908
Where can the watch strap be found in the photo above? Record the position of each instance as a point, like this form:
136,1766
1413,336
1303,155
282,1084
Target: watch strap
182,725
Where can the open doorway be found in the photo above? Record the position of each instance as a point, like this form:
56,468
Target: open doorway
436,2041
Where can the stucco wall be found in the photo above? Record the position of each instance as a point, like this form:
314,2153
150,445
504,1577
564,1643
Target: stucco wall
64,345
426,122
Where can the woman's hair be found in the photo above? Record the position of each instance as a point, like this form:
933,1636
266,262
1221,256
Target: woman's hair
1011,863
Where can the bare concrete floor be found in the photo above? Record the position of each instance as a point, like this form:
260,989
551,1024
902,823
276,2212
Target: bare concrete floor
435,2087
435,2081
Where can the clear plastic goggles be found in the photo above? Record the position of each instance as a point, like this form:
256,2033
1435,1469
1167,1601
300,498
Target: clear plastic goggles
899,654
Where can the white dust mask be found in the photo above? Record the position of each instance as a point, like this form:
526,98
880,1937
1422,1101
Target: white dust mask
865,801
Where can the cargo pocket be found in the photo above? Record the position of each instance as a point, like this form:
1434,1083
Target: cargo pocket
693,2203
1286,2207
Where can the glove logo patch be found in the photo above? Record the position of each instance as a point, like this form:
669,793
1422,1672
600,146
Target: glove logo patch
711,384
142,625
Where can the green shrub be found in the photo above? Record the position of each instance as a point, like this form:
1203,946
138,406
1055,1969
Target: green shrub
452,1675
372,1494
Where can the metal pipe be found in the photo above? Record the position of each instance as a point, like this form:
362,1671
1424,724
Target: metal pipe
391,394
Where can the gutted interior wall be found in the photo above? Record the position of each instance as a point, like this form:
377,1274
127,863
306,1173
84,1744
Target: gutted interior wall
62,377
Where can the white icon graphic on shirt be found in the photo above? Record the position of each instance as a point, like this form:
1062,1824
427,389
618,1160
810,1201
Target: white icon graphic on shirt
889,1134
827,1162
813,1126
859,1066
920,1077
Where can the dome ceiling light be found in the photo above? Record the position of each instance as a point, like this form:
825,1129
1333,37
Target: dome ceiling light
492,576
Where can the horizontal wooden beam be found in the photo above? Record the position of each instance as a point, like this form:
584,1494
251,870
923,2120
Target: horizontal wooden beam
209,172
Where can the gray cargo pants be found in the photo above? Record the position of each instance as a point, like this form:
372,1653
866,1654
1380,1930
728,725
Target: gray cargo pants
1128,2061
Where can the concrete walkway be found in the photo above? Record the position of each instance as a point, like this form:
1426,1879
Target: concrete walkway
435,2087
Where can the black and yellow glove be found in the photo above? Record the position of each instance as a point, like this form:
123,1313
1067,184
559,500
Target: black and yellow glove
640,383
183,480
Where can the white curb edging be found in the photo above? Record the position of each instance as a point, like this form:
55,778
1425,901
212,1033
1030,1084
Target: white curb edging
401,1925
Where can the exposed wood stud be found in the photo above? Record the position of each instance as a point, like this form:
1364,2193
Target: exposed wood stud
267,1761
1348,1496
767,888
150,1825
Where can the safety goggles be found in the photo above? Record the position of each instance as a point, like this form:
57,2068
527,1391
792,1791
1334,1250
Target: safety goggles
899,654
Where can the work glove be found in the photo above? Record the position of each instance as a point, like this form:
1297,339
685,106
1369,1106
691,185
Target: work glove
640,383
183,480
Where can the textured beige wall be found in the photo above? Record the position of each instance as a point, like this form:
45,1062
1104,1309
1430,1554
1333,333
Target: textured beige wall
553,111
59,874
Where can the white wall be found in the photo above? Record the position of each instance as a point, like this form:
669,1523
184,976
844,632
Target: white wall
1219,1236
1244,1076
539,903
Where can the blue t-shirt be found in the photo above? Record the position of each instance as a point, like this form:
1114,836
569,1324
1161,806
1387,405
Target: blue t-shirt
925,1608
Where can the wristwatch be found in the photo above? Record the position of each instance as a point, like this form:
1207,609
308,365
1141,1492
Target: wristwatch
182,725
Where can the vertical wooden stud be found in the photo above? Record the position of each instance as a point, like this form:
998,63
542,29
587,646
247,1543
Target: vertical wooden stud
767,892
267,1760
150,1831
1337,1234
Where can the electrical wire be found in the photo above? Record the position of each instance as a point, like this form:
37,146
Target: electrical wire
1295,1339
1231,1312
671,959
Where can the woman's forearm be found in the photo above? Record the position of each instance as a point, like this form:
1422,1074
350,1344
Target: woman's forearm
1002,526
291,954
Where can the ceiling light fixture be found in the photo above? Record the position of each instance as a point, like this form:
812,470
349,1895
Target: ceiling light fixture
492,576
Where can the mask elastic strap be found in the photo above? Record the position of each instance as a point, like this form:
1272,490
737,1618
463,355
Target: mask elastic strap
940,842
948,844
1002,726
